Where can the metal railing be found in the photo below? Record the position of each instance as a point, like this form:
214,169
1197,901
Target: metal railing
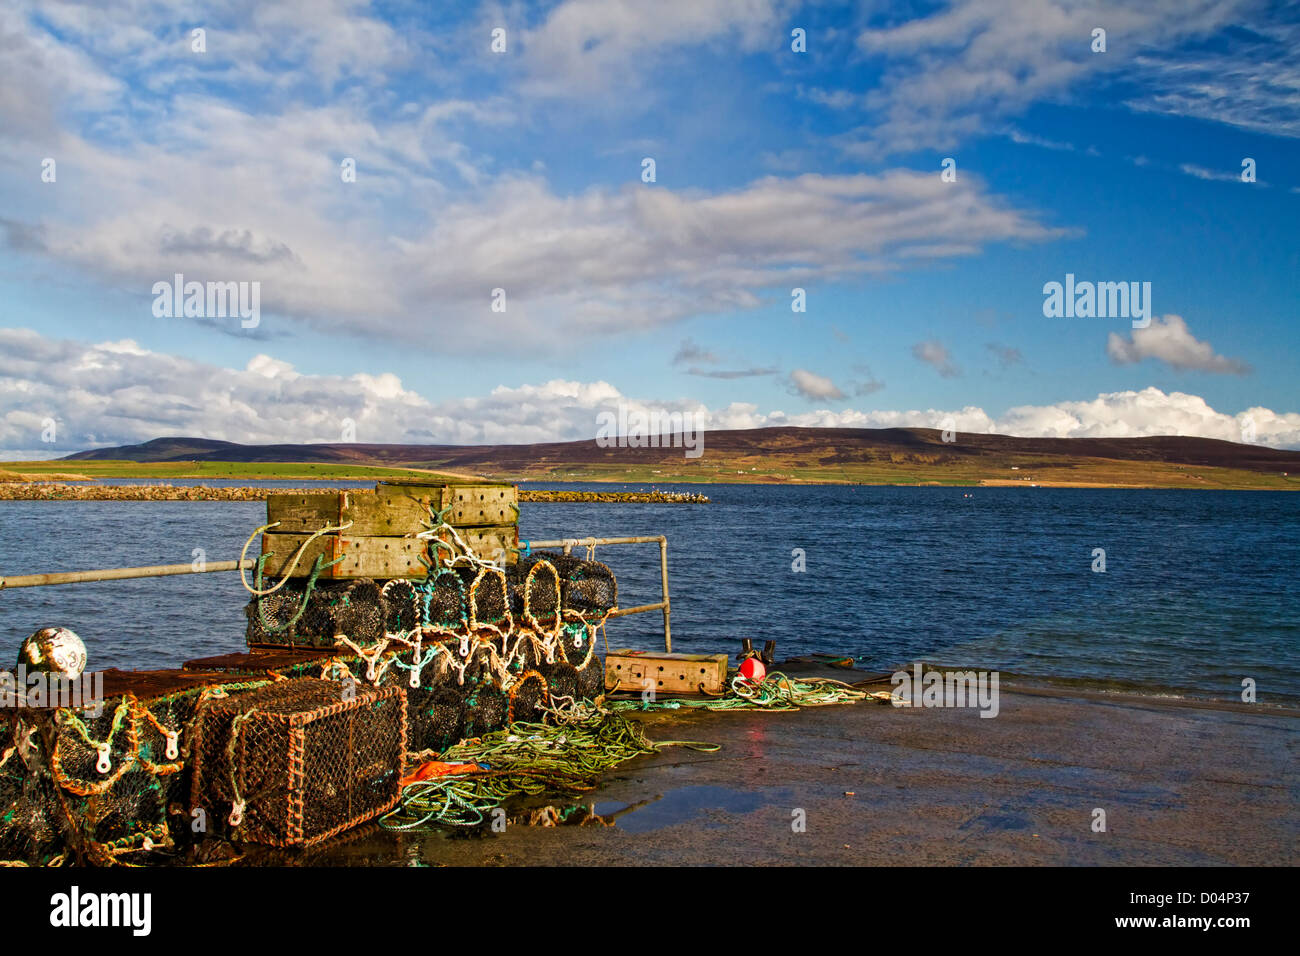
166,570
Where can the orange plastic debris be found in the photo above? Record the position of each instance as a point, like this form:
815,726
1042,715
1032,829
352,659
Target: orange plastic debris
436,768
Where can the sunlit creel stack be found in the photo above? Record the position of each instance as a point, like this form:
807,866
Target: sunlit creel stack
426,586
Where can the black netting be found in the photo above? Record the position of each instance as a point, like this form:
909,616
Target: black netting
94,788
401,607
360,616
527,697
561,680
489,598
446,600
270,617
587,589
539,587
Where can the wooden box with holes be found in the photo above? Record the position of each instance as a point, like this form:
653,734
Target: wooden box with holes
383,534
667,675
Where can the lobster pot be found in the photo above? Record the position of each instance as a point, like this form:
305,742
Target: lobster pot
588,589
359,610
306,759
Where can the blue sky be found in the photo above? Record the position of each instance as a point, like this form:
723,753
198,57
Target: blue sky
522,170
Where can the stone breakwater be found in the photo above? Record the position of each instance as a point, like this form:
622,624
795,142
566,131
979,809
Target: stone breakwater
59,491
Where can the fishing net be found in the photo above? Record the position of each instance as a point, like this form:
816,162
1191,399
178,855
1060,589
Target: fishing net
271,618
319,621
583,589
489,600
561,682
360,615
539,594
27,828
401,603
446,601
587,587
300,760
92,789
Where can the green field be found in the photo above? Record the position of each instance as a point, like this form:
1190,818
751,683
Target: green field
1015,471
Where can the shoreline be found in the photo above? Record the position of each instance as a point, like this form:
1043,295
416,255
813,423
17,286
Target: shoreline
88,489
60,491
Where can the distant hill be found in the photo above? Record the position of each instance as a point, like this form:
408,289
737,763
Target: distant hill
870,455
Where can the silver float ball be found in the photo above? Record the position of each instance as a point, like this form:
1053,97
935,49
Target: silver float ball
54,650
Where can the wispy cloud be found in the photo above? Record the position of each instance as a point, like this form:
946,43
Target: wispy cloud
1005,354
1200,172
933,353
1020,136
688,351
968,67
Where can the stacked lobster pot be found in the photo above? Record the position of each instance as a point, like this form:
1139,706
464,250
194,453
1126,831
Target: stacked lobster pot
424,587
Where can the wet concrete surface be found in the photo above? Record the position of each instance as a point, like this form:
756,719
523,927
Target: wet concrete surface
882,786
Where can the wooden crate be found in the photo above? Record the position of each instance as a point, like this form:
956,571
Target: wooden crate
380,542
395,509
380,557
664,673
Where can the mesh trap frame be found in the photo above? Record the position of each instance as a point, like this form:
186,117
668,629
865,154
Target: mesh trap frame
298,761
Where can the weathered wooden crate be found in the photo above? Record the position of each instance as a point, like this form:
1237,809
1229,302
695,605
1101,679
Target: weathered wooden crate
665,673
381,541
396,509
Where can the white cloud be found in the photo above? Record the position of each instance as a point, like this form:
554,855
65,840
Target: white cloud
596,262
594,48
1030,139
116,393
814,387
1168,340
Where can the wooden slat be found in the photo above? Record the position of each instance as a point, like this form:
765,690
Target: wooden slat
369,513
472,505
379,556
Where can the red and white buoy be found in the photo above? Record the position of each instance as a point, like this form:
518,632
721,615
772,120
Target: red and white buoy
752,670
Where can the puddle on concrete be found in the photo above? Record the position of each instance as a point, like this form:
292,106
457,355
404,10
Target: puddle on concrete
680,806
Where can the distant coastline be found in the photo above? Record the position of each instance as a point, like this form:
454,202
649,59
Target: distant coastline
772,455
63,491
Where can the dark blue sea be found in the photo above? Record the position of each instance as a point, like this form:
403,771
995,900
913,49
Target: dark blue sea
1200,588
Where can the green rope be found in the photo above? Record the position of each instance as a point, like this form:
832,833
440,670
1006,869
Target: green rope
776,692
523,759
319,565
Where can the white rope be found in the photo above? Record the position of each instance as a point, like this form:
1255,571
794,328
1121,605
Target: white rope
296,558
